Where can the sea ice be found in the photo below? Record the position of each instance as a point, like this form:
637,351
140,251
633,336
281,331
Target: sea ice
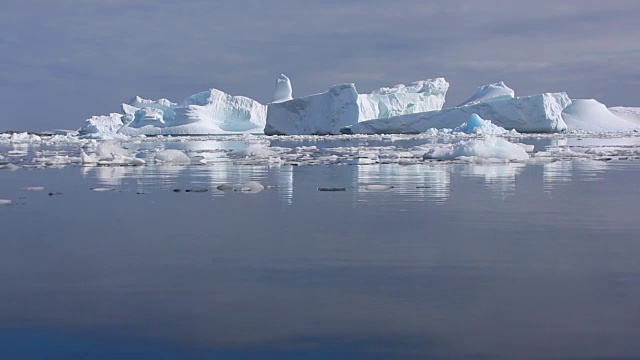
538,113
173,156
490,92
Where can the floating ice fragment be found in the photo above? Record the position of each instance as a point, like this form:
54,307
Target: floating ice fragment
489,147
33,188
101,189
173,156
5,202
251,186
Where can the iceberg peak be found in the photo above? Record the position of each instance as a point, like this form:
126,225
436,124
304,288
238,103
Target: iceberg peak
490,92
283,91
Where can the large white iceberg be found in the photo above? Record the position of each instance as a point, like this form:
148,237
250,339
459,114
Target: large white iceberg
490,92
208,112
420,96
326,113
538,113
590,115
319,114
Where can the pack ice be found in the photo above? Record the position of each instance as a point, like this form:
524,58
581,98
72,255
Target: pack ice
326,113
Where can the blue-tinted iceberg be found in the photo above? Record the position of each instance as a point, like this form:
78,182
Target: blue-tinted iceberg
477,125
488,147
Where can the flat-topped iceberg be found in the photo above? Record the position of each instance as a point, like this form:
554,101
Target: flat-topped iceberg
326,113
319,114
420,96
490,92
590,115
538,113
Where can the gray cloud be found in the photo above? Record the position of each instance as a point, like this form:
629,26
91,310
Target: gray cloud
78,58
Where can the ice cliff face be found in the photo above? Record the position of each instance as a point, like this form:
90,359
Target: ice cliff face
319,114
539,113
490,92
420,96
326,113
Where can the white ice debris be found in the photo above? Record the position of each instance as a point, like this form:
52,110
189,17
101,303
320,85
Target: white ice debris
631,114
283,91
590,115
490,92
33,188
20,138
477,125
320,114
5,202
420,96
489,147
538,113
173,156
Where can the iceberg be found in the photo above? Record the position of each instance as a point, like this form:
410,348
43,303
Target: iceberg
161,104
319,114
477,125
591,115
101,124
489,147
490,92
538,113
420,96
208,112
341,106
631,114
283,89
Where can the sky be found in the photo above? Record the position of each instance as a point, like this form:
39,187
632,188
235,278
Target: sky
63,61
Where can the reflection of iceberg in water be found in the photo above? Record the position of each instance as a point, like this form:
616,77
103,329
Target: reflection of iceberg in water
418,182
590,170
556,173
500,179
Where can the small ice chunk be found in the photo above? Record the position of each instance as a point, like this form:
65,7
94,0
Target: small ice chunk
173,156
33,188
251,186
102,189
5,202
489,147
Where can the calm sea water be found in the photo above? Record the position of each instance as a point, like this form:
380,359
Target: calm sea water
475,261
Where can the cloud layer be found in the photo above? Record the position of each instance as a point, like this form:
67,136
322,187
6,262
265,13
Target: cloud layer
63,61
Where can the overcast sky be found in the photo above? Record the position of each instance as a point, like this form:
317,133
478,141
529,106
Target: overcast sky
62,61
